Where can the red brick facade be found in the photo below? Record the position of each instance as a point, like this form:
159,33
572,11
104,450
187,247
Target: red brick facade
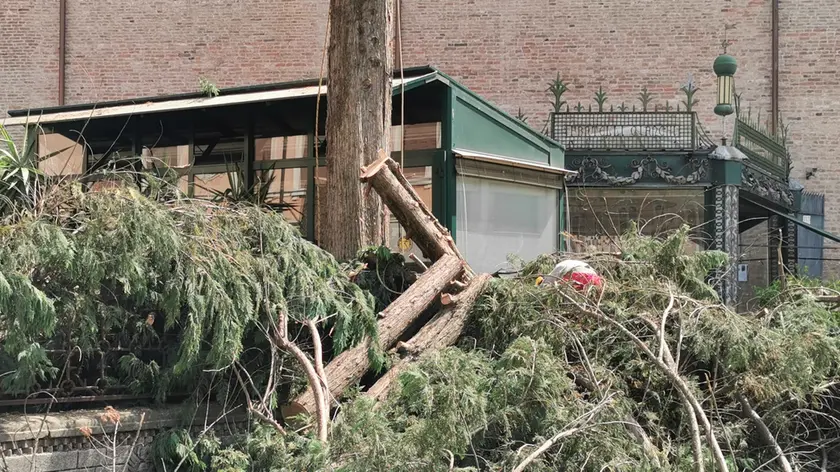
506,51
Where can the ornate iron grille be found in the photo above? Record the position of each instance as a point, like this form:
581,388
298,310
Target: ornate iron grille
606,131
763,148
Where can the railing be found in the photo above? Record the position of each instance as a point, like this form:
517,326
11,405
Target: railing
626,130
762,149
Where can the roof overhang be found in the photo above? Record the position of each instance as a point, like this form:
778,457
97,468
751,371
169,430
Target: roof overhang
794,220
192,103
511,162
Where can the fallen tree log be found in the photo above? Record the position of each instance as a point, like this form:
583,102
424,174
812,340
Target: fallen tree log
349,366
442,331
422,227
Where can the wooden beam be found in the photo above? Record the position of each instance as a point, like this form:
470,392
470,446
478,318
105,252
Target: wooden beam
442,331
351,365
435,241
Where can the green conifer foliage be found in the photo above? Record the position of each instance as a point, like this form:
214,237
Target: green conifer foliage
195,280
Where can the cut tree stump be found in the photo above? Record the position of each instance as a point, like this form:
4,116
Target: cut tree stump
426,232
348,367
442,331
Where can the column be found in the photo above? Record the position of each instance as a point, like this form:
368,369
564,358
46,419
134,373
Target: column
774,239
791,243
727,240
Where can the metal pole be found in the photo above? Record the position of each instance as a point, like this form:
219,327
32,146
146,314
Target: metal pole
774,81
62,39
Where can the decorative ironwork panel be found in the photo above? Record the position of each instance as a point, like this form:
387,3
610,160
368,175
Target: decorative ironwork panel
766,151
766,186
625,130
726,239
593,170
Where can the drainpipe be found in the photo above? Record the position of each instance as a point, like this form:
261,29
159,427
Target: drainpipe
62,27
774,81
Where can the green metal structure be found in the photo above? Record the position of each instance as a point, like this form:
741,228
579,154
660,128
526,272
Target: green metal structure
659,154
238,133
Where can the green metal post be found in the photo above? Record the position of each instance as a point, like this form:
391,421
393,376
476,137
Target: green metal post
561,219
447,169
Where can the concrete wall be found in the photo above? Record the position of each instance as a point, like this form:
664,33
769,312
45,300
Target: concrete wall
86,441
506,51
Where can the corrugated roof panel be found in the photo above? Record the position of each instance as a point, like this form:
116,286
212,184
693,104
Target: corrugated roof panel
183,104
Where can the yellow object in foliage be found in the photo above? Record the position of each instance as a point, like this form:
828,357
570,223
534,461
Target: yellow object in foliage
404,244
539,280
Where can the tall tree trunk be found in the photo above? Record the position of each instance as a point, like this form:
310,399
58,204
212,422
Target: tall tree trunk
358,121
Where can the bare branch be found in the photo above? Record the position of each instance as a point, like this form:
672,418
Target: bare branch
319,360
133,443
670,372
321,416
662,325
564,434
764,432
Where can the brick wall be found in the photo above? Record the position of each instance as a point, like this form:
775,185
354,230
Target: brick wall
506,51
28,53
810,102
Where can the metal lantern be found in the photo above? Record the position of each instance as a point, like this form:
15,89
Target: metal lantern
725,67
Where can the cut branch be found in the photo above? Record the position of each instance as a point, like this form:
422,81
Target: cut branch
319,362
662,327
352,364
442,331
764,432
322,414
428,234
696,439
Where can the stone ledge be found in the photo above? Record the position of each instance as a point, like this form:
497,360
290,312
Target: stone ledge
45,462
24,430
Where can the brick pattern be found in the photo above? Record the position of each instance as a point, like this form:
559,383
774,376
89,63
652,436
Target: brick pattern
506,51
810,102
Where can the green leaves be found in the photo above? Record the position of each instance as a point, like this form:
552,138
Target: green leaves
33,367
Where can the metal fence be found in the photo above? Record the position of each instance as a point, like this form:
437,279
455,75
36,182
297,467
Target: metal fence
628,130
761,147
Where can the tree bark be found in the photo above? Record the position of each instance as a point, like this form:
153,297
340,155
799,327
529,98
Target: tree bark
385,176
442,331
358,121
350,365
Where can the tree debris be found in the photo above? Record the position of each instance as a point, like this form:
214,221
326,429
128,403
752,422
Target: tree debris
349,366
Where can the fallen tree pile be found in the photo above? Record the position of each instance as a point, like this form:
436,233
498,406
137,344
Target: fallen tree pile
457,372
658,375
652,374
